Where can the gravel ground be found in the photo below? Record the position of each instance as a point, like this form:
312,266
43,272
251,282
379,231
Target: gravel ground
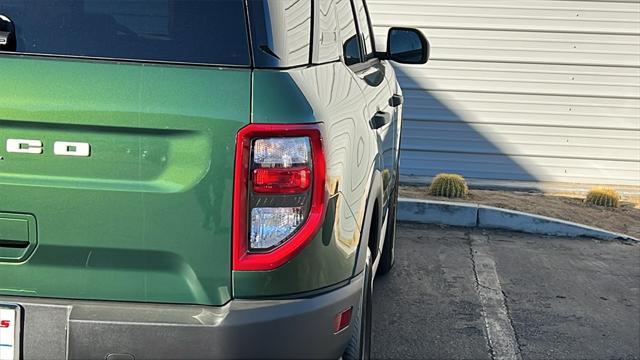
624,219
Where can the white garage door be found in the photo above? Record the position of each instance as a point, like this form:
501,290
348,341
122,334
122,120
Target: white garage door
529,90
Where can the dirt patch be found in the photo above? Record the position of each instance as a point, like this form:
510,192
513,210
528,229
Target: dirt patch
624,219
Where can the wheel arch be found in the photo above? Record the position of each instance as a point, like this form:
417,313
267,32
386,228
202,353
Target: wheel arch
373,207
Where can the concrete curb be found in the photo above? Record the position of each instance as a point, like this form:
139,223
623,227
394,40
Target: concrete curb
475,215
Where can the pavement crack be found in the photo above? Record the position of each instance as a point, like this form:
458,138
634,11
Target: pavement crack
478,285
502,341
515,333
486,287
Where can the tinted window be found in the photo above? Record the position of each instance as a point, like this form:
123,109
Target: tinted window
348,33
365,29
280,32
194,31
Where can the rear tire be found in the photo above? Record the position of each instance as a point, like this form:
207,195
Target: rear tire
359,347
388,255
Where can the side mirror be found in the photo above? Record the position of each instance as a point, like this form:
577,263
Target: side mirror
407,46
7,34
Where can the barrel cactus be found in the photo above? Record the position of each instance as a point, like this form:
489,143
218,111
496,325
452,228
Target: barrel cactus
449,185
603,196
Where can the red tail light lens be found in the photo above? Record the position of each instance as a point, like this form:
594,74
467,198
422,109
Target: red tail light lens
278,193
281,181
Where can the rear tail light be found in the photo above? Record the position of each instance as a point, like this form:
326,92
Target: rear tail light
278,193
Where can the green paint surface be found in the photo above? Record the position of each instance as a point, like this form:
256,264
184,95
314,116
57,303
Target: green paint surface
147,216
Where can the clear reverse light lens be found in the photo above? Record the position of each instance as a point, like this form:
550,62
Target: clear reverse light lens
271,226
282,152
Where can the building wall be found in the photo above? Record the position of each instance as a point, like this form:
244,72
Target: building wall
531,90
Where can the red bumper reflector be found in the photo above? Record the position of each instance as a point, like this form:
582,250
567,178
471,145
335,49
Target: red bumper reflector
342,320
281,180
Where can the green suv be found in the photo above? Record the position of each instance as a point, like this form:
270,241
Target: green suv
195,178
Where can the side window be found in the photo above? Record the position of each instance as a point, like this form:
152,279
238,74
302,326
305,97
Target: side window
327,46
348,33
365,28
280,32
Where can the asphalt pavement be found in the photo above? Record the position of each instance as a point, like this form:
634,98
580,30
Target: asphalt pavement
458,293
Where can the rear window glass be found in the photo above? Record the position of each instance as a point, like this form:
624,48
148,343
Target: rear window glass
191,31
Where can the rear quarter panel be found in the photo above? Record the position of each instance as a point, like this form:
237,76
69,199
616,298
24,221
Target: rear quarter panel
327,94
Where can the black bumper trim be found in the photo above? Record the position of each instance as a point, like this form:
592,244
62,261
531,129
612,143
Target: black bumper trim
295,328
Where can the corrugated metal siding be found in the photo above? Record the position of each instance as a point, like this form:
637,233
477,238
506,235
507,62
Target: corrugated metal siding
532,90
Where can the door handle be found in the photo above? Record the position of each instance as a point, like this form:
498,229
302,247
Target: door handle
17,236
396,100
380,119
13,244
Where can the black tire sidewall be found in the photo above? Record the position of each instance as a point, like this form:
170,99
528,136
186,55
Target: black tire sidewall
367,315
360,345
387,257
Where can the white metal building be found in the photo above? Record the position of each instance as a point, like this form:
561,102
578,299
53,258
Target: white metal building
527,90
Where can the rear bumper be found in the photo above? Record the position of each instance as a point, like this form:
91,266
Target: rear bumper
298,328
